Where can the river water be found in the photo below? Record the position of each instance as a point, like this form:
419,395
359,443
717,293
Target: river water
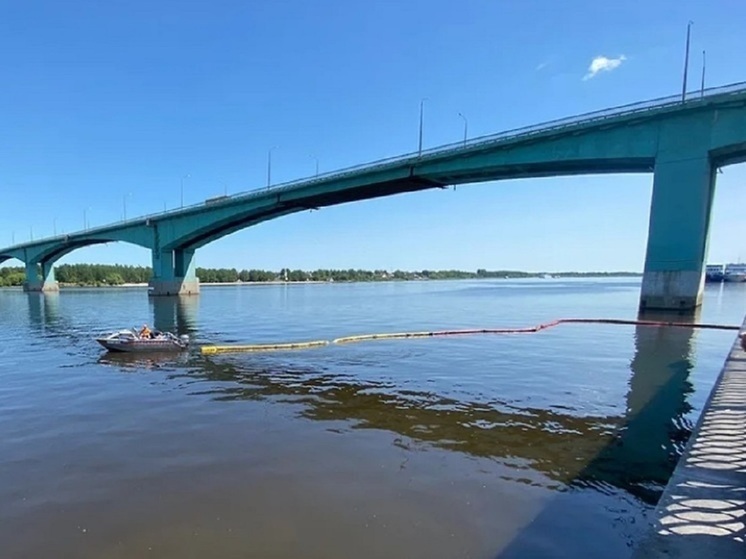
554,444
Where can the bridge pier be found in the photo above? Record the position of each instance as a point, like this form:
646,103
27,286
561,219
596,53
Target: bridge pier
680,211
45,282
173,273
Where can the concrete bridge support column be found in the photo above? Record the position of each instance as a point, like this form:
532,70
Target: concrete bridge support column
173,273
184,264
185,271
45,282
683,190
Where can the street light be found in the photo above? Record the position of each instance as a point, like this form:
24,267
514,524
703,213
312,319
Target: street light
54,222
182,188
31,232
686,60
85,219
317,163
269,166
225,187
422,106
466,126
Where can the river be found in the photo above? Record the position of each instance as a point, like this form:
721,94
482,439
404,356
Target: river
555,444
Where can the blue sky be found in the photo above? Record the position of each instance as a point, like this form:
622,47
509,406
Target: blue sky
111,103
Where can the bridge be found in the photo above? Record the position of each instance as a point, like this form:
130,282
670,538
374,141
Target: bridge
681,141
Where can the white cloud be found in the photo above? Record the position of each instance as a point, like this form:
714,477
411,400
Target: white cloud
603,64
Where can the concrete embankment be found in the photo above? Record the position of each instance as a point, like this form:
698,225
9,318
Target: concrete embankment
702,513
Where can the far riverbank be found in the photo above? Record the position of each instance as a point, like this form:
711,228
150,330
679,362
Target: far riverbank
144,285
108,275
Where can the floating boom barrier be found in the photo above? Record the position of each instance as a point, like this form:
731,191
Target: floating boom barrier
213,349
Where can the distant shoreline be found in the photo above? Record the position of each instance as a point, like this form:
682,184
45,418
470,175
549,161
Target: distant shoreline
316,282
127,276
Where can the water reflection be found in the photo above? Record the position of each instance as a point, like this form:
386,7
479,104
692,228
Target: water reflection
44,309
150,361
524,438
644,451
636,453
175,314
641,456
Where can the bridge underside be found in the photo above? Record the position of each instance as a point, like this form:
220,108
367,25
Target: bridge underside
173,269
549,169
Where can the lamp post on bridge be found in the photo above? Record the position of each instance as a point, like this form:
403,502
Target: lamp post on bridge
269,166
466,126
422,111
54,226
31,232
182,188
85,219
686,60
317,163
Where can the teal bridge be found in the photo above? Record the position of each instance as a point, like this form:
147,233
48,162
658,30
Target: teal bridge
681,141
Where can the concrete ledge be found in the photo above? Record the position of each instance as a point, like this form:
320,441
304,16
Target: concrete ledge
702,512
178,286
678,290
45,287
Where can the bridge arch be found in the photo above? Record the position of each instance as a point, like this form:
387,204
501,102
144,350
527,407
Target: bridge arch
206,235
55,252
40,258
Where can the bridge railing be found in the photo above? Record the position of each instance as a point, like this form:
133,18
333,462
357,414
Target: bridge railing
692,98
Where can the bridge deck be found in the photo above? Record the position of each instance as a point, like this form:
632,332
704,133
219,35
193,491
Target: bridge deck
702,511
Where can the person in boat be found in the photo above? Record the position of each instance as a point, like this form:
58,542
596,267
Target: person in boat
145,332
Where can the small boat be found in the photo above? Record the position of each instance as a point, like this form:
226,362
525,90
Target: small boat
130,341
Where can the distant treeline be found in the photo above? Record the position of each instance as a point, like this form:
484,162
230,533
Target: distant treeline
108,274
82,274
11,276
